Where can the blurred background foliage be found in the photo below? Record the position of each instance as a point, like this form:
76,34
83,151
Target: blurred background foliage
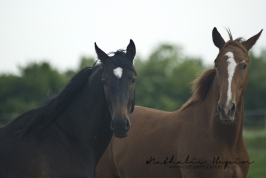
164,82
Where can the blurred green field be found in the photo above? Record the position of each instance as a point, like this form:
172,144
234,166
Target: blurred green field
255,141
258,168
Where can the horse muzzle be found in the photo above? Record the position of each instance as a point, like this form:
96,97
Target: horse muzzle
227,112
120,127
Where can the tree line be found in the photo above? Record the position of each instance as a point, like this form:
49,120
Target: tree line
164,81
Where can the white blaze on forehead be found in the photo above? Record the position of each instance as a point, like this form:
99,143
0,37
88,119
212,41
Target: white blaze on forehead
118,72
231,70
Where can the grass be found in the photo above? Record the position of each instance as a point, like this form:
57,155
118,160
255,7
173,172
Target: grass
255,141
258,168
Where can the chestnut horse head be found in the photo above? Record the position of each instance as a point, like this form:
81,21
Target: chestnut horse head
231,72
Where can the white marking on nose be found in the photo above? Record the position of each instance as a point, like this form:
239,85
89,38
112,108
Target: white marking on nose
231,70
118,72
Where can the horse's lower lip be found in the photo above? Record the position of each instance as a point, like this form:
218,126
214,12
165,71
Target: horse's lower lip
120,135
226,119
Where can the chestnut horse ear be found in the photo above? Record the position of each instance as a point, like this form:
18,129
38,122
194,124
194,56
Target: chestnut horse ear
131,50
101,55
251,41
217,39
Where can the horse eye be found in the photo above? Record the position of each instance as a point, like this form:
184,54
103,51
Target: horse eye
244,66
133,80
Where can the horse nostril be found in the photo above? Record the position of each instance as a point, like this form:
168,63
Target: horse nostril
112,125
127,126
219,107
233,107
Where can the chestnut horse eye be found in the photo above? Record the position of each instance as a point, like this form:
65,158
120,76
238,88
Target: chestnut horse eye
244,66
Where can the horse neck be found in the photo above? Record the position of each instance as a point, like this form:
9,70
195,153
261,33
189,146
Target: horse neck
227,133
87,118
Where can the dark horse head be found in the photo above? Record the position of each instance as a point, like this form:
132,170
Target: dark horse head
118,79
232,72
72,128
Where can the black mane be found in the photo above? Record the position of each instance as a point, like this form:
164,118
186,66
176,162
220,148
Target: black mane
51,108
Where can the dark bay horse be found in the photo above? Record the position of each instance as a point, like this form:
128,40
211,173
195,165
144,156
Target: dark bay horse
202,139
67,135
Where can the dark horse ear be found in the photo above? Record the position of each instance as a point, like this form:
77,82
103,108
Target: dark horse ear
131,50
101,55
251,41
217,39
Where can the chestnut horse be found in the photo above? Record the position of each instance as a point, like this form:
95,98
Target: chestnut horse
202,139
67,135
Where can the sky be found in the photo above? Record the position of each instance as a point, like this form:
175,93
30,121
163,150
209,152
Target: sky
61,31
